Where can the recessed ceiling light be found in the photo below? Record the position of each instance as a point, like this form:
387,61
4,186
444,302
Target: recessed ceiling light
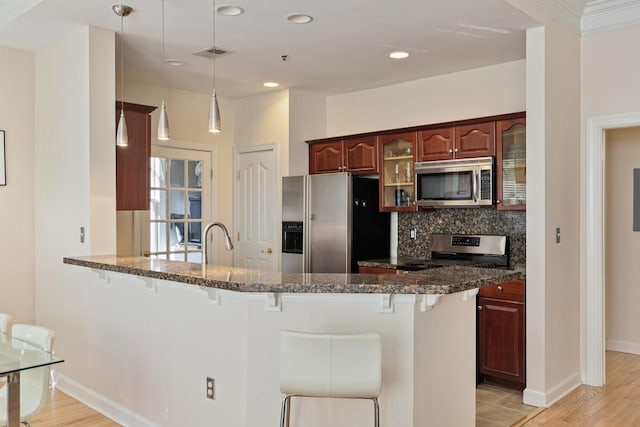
229,10
399,55
270,84
299,18
174,62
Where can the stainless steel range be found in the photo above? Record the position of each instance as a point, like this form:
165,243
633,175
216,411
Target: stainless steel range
474,250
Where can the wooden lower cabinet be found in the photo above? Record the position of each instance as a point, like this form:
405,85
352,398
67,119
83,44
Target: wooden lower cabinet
501,334
376,270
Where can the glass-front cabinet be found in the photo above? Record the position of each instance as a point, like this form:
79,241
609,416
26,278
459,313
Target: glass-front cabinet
397,189
511,170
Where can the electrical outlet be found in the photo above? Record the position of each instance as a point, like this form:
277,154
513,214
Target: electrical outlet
413,233
211,388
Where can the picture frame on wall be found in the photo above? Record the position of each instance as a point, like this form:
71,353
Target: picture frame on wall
3,162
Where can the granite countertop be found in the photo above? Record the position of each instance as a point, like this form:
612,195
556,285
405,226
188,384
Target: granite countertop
444,280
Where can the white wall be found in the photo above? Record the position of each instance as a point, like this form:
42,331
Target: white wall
479,92
264,119
562,209
622,245
75,186
307,120
17,110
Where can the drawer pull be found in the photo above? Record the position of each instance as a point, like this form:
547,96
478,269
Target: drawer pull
500,288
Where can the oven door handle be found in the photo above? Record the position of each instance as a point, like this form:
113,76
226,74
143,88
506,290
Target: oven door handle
475,186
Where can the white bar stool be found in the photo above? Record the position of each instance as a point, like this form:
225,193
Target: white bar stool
326,365
5,323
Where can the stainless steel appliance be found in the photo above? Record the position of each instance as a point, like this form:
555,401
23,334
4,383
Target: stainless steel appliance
330,222
487,251
455,183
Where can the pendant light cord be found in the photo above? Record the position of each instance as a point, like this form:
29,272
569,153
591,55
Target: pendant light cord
121,61
164,83
213,36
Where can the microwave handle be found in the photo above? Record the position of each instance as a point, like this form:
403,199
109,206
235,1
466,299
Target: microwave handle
475,186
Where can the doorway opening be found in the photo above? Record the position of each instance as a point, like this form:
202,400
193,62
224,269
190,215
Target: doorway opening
180,202
595,251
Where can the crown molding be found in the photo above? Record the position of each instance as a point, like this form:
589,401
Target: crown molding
606,15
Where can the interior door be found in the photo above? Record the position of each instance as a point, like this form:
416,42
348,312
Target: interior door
256,216
180,202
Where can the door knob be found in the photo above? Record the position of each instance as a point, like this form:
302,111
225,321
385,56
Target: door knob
267,251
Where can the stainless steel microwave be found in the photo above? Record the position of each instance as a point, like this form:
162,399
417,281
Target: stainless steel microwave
455,183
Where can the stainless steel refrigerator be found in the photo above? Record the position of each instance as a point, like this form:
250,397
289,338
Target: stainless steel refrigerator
330,222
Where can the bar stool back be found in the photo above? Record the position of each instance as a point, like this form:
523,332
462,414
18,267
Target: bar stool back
327,365
5,323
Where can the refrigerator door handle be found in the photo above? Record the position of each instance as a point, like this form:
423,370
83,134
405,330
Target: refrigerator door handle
306,227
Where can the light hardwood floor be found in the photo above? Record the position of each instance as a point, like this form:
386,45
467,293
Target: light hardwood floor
62,410
617,404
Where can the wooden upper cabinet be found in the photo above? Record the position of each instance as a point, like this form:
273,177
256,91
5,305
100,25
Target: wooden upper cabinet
361,155
457,142
397,186
133,162
325,157
477,140
435,144
356,155
511,164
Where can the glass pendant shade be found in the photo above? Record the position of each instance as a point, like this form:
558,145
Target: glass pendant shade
163,124
214,115
122,138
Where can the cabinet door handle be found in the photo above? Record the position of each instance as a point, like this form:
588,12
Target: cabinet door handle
450,150
500,288
267,251
455,150
479,308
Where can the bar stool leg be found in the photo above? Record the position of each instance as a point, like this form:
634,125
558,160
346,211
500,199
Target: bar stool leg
376,412
286,411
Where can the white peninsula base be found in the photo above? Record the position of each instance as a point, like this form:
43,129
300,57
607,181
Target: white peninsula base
158,340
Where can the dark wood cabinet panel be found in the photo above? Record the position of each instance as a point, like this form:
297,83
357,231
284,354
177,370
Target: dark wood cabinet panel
501,333
355,155
325,157
133,161
478,140
376,270
435,144
361,155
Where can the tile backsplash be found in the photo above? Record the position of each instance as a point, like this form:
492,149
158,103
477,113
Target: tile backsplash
462,221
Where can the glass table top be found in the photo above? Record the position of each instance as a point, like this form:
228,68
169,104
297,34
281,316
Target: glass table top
17,355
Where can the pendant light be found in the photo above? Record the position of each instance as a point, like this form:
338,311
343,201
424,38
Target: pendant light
163,120
122,137
214,110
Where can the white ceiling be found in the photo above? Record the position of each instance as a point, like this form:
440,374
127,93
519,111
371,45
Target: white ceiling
344,49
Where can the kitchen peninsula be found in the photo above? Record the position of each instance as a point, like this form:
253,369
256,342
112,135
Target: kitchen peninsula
426,318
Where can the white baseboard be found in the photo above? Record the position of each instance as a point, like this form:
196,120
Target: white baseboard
555,393
534,397
98,402
623,346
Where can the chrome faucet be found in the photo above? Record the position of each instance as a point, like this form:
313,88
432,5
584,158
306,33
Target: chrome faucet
228,244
